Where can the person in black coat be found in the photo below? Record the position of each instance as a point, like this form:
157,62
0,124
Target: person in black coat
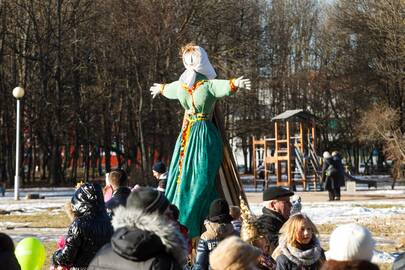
7,258
276,211
88,232
118,180
340,174
144,238
329,177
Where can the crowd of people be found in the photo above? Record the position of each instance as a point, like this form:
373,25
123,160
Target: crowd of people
139,229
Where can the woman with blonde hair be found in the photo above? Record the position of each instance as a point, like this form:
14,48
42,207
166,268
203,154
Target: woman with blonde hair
299,246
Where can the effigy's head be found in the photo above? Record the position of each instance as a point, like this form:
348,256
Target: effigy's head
195,60
193,56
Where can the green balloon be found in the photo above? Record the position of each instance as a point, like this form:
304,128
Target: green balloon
30,253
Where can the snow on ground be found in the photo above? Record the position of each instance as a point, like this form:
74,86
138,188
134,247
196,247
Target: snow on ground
344,212
31,206
348,212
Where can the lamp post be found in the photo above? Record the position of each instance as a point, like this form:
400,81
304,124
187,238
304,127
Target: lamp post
18,93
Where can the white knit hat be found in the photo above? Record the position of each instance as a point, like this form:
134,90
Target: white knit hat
326,154
351,242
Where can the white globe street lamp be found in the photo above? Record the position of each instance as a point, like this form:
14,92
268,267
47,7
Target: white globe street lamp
18,93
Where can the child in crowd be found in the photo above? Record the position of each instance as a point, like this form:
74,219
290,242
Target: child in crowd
299,246
253,232
90,229
118,179
218,227
234,211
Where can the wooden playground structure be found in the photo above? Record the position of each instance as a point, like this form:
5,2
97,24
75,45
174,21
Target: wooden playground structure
291,154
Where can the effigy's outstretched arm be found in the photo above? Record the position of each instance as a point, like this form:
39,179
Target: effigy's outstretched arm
223,88
167,90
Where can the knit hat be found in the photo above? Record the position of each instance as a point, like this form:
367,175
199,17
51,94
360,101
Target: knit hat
159,167
351,242
148,199
234,254
273,193
219,212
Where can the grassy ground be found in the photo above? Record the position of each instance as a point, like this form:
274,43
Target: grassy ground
39,220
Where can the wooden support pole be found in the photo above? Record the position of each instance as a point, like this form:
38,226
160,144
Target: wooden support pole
277,162
289,156
266,169
313,130
254,163
304,160
313,135
302,145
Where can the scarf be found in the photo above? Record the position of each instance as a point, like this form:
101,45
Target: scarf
301,257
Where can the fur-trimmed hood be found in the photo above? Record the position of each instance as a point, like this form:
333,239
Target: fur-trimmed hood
146,234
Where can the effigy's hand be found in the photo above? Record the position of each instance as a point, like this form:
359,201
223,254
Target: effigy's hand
242,83
156,89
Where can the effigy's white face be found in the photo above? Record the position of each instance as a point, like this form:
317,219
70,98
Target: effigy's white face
191,58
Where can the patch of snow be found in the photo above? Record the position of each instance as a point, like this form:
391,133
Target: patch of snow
7,224
27,207
341,212
383,257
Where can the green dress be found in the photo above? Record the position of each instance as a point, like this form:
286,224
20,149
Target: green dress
198,151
